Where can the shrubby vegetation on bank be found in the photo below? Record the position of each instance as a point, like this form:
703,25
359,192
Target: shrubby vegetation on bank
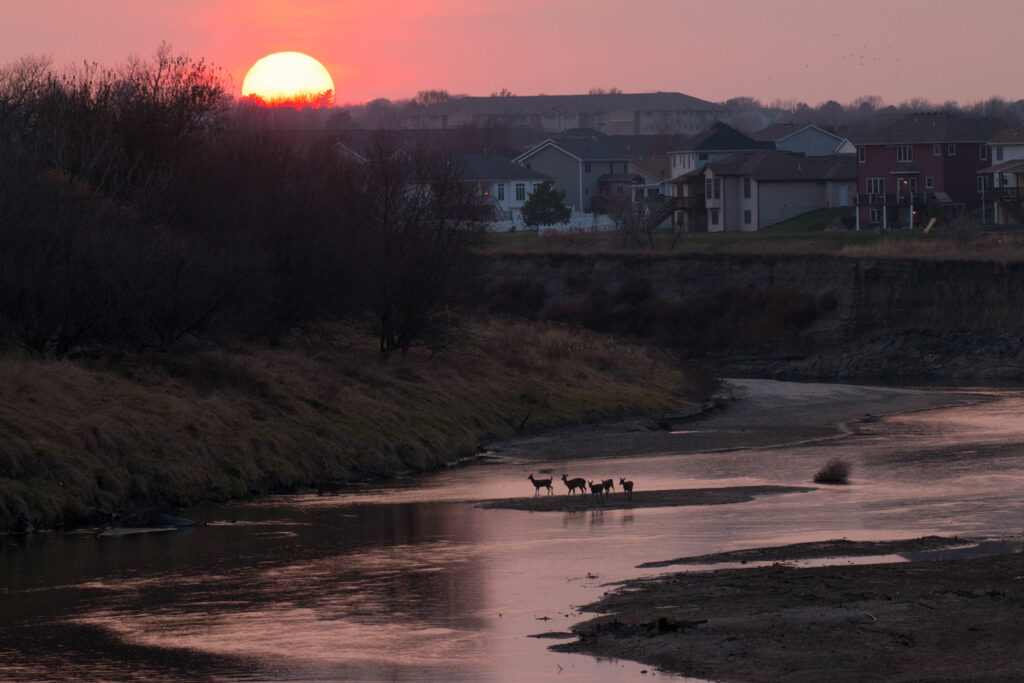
80,441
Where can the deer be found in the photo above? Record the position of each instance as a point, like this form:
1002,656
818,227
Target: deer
608,485
627,488
573,484
539,484
597,489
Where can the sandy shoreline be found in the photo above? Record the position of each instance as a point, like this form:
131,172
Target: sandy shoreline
751,413
928,619
935,617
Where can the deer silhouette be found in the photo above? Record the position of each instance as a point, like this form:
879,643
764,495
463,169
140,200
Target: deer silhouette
539,484
573,484
627,488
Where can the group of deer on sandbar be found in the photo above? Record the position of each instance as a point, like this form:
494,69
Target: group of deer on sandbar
597,490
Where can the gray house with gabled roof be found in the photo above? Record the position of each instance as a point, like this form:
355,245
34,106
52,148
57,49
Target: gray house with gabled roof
576,166
747,191
805,139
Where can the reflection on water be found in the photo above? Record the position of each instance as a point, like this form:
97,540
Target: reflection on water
407,582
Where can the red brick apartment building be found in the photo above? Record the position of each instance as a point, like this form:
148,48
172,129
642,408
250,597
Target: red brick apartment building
921,166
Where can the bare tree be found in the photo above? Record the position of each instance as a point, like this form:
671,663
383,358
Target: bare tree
423,225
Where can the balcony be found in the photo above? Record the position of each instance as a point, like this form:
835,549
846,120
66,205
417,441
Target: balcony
1005,194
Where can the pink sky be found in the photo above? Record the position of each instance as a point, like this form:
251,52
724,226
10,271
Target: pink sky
809,50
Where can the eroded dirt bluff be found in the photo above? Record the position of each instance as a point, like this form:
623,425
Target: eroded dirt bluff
896,318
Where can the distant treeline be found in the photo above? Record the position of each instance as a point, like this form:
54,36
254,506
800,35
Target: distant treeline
140,207
745,113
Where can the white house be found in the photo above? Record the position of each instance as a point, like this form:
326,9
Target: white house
1002,184
505,186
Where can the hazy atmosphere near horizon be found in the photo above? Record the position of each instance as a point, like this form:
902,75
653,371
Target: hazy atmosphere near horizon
807,50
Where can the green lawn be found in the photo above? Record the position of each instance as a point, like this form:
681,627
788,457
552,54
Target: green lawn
805,233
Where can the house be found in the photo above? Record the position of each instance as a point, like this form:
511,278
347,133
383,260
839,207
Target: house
613,113
920,166
809,139
1002,183
686,189
747,191
504,186
577,166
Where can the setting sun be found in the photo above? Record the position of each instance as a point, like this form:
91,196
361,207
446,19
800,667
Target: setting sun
289,79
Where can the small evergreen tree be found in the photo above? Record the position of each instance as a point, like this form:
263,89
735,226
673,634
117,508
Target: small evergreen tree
546,206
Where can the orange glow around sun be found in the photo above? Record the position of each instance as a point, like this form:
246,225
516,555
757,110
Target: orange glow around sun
290,79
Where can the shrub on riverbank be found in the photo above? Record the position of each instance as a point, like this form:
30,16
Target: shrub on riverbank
84,440
836,471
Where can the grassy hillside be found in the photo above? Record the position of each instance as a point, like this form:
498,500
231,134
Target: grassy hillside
83,440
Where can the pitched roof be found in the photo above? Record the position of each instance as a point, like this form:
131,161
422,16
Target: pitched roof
776,131
588,149
477,167
1009,135
775,165
539,104
932,127
654,166
721,137
1003,166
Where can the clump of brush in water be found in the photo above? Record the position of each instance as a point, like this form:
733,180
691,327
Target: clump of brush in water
835,472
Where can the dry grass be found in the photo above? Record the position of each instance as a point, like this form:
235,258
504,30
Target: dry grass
79,439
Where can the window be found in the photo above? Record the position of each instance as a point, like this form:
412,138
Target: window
904,153
983,152
951,149
703,156
714,216
982,183
876,216
999,153
937,149
862,154
586,167
625,167
718,188
929,182
746,187
875,186
707,187
520,191
501,192
746,217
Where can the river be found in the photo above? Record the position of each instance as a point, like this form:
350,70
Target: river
410,581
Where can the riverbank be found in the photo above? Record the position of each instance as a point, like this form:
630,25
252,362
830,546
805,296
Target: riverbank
88,442
749,413
950,615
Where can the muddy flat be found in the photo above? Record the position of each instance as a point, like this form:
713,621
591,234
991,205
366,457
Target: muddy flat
953,618
641,499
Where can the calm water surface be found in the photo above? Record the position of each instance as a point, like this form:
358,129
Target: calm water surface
410,581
